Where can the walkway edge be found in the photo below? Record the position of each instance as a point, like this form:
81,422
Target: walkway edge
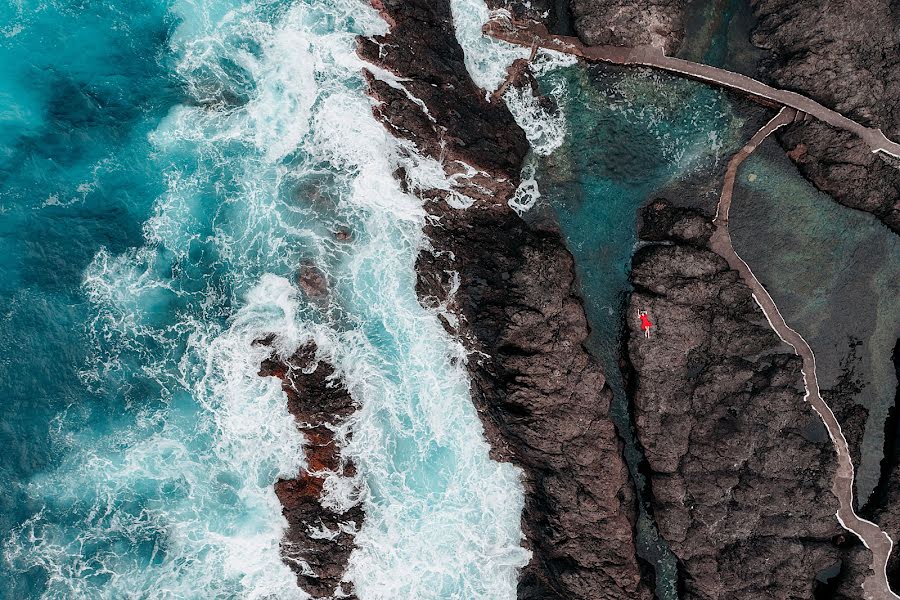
878,542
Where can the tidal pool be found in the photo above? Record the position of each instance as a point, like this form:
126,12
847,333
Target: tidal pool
630,133
835,274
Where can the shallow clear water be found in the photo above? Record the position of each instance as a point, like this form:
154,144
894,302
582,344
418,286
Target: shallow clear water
717,32
631,133
835,275
164,170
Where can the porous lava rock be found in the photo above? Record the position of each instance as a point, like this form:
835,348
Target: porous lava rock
740,464
319,538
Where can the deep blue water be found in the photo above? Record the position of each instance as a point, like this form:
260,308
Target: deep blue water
80,88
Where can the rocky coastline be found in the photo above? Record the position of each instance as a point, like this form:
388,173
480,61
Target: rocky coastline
830,54
541,396
741,466
657,23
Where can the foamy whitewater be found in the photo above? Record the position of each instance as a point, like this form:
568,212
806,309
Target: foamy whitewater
272,148
487,61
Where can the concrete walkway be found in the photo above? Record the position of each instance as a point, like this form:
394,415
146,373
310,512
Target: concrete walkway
876,586
536,35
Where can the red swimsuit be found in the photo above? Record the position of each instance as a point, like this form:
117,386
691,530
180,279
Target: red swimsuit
645,323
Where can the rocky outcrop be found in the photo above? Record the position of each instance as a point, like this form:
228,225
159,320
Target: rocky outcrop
541,396
556,15
658,23
319,538
741,466
460,123
846,56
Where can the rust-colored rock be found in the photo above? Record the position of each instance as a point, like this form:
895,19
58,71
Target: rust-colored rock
319,403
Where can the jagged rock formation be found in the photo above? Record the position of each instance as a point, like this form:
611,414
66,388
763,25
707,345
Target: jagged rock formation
741,466
541,396
845,55
656,23
422,49
319,538
543,400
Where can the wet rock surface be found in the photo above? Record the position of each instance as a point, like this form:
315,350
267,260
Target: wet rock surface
740,465
460,122
845,55
542,398
312,280
319,538
556,15
658,23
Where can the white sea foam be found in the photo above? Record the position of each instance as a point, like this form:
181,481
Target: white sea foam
176,499
488,61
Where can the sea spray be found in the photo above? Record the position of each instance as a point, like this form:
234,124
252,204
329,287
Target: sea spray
275,150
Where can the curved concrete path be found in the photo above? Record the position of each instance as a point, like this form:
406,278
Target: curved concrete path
876,586
536,35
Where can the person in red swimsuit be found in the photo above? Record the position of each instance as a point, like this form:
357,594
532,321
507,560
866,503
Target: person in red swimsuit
645,323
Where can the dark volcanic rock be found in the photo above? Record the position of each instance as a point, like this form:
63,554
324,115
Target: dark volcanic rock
657,23
741,466
846,56
422,48
842,398
661,221
312,280
541,397
556,15
319,404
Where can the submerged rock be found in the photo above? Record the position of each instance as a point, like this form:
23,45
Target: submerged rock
312,280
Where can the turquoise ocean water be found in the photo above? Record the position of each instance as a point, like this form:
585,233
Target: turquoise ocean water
164,170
